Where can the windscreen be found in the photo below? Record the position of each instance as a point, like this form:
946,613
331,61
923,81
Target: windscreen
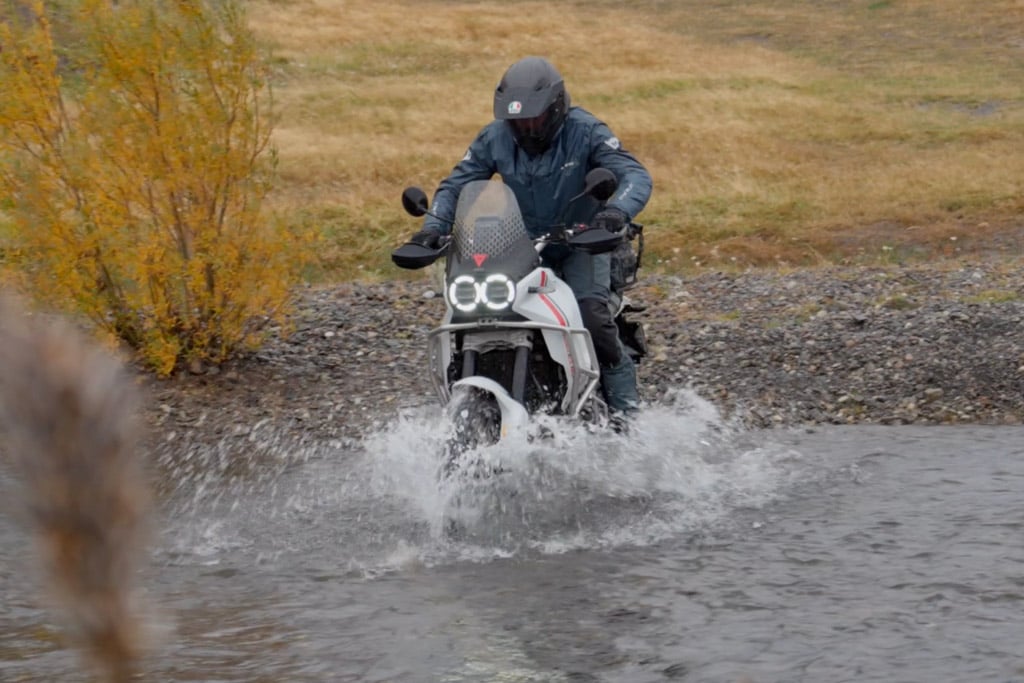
489,233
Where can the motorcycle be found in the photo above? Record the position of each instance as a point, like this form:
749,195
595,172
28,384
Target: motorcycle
512,344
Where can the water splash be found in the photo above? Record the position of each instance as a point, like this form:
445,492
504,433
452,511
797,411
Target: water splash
682,469
211,491
381,505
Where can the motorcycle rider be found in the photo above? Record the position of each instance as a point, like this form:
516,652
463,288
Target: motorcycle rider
542,147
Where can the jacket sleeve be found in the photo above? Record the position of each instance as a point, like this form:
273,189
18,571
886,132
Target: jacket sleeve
476,164
635,183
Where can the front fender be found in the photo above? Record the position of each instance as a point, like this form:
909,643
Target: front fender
514,417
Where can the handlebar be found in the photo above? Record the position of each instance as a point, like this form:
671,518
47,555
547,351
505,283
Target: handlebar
583,237
596,240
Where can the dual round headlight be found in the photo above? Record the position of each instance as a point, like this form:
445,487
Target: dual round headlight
496,292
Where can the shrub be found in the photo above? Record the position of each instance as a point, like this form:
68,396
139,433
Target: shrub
133,169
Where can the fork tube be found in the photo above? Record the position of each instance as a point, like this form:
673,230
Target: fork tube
469,363
519,372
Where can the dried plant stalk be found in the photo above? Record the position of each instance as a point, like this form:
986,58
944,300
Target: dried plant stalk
68,424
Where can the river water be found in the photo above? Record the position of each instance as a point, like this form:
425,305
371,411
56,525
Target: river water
691,551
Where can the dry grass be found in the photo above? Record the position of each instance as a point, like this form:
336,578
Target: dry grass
777,131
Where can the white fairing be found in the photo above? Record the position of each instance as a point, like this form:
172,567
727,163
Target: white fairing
543,297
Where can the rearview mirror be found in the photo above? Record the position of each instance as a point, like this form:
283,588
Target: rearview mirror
414,201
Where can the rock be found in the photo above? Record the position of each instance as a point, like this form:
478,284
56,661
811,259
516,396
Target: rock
744,341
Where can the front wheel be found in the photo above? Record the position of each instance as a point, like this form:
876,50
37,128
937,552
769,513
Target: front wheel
475,423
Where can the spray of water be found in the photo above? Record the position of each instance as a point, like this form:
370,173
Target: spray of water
384,503
212,491
681,469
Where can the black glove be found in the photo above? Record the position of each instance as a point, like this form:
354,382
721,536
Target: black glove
611,219
431,239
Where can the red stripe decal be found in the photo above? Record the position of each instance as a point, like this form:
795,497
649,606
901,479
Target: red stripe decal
549,303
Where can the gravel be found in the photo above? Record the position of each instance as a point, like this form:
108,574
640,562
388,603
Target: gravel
929,344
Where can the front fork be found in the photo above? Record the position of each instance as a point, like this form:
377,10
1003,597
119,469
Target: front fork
520,370
468,363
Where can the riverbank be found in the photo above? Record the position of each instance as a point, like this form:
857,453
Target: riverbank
922,344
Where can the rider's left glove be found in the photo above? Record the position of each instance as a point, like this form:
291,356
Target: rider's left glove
611,219
431,239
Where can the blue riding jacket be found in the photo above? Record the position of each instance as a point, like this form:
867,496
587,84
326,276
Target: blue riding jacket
545,184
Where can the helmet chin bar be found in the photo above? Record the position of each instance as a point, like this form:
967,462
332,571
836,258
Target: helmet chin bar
532,144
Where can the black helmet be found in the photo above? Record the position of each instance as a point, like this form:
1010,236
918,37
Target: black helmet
532,98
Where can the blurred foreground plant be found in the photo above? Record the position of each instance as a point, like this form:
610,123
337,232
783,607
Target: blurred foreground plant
133,170
68,425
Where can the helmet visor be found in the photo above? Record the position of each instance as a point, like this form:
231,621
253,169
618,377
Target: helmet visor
530,128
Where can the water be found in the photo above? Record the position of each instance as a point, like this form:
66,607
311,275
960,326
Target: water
692,551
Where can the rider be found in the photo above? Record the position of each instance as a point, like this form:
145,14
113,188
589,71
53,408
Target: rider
542,148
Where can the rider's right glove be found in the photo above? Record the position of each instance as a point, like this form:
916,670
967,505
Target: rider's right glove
611,219
431,239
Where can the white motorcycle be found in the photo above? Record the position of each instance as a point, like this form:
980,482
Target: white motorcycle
512,342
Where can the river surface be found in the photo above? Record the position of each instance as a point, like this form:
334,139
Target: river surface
691,551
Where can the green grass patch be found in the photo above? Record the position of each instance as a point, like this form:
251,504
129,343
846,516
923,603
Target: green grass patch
898,303
995,296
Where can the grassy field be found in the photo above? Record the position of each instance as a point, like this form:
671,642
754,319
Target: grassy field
778,132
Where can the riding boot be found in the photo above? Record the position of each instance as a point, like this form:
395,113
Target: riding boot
619,385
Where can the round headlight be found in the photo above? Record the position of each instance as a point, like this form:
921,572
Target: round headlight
462,293
498,292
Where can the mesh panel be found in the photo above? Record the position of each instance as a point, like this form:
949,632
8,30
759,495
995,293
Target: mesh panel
487,221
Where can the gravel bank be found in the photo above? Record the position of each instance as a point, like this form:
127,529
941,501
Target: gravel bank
942,343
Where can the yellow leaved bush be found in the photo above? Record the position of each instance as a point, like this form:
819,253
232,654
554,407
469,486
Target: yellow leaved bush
133,170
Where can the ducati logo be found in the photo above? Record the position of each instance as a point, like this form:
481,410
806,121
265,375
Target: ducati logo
515,106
